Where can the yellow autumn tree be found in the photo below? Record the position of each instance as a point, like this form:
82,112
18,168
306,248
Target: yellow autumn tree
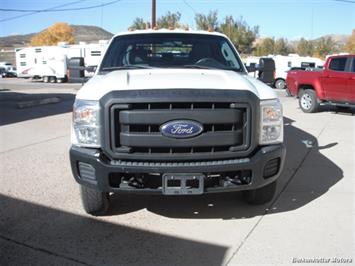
58,32
350,45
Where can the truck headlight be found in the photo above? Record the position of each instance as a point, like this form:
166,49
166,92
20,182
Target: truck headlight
271,122
86,124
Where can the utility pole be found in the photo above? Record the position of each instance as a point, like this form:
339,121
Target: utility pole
153,14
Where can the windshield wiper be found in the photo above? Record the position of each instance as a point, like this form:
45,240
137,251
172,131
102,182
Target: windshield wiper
213,67
198,66
125,67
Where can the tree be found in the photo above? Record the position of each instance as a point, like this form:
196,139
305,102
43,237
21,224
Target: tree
265,47
170,20
324,46
282,47
240,33
350,44
305,48
206,22
58,32
167,21
138,24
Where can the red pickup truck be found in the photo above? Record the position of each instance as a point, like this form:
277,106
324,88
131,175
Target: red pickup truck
335,84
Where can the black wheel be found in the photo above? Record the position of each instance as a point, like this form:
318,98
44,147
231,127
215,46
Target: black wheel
308,101
261,195
52,79
280,84
94,202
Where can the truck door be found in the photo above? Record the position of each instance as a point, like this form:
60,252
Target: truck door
351,82
334,80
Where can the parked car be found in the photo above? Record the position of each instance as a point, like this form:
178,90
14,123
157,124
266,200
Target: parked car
335,84
9,74
174,112
7,70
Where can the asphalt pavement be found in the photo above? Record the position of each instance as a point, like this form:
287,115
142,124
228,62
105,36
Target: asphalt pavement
310,221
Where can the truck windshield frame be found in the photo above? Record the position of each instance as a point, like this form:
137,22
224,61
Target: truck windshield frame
171,50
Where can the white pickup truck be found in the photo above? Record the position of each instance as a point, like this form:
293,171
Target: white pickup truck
174,112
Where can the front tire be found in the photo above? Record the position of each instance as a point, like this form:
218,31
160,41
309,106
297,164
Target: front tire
280,84
260,195
52,79
308,101
94,202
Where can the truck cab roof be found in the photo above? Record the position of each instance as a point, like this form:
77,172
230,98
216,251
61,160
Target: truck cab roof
168,31
171,59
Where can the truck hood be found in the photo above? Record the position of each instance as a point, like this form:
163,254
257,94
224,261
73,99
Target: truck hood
141,79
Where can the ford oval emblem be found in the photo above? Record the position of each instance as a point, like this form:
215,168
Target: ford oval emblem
181,129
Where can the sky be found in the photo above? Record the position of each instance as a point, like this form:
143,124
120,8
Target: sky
291,19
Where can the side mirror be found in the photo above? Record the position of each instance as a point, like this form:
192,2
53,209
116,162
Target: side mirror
266,70
76,70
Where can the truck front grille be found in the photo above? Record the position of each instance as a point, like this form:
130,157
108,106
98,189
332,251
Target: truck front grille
135,130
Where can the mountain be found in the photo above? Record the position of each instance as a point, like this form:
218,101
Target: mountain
15,40
82,33
339,39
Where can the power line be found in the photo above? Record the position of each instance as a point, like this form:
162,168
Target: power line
188,5
53,9
35,12
59,10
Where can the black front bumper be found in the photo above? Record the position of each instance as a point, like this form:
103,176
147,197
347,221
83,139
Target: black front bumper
98,169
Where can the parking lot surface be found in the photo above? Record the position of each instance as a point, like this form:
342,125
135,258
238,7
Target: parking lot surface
42,221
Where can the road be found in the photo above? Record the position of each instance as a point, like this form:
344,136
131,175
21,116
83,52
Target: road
42,221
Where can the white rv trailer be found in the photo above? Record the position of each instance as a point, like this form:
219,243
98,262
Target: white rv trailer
50,62
284,63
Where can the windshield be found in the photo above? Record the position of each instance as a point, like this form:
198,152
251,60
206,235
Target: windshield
172,50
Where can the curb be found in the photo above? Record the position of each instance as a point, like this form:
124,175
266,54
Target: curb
27,104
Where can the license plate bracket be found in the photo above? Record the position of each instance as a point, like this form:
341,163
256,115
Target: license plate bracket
183,184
